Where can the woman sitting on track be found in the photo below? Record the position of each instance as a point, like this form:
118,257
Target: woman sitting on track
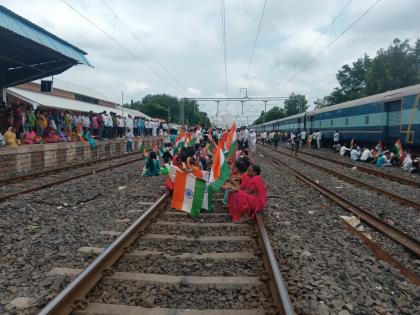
249,197
152,165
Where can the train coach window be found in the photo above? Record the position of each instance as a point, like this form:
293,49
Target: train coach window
366,120
320,123
347,121
332,122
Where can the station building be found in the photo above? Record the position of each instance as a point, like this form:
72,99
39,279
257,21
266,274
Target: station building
29,53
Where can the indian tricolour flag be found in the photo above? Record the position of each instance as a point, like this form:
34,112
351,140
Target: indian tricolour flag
398,150
143,150
219,173
179,142
190,193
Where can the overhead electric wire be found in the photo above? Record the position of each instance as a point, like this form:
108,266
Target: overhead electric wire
311,46
331,43
223,15
255,42
144,46
122,46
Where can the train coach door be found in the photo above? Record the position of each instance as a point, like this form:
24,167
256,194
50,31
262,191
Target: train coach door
393,119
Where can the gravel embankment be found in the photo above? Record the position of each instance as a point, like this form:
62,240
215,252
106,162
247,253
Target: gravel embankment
44,229
402,190
327,270
403,217
46,179
394,170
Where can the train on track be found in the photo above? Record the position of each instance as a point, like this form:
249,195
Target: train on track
385,116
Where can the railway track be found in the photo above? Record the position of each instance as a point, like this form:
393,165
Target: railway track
387,193
406,241
23,186
167,262
360,167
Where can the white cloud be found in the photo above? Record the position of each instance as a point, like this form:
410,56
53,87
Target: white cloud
193,92
186,37
134,86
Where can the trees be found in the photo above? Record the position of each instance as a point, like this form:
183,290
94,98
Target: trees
392,68
396,67
295,104
167,107
274,113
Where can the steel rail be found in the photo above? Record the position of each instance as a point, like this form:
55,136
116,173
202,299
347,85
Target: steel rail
399,198
397,235
48,185
21,178
74,294
365,169
277,284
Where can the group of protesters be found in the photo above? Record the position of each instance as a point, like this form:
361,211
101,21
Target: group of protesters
244,189
381,156
21,124
378,155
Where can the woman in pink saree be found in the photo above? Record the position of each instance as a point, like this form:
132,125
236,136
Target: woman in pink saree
248,198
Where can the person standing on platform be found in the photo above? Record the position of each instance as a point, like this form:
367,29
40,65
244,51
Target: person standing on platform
154,128
129,141
129,124
95,125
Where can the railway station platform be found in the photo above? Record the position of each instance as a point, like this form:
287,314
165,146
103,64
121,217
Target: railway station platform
28,159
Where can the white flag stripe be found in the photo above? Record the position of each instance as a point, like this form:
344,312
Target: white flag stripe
189,193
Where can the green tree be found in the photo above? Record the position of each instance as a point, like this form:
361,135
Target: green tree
274,113
352,80
323,102
417,52
396,67
166,107
295,104
392,68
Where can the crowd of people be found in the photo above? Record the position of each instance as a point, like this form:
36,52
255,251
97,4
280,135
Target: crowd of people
21,124
244,189
378,155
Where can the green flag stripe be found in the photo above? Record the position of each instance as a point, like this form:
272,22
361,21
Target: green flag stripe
224,175
199,189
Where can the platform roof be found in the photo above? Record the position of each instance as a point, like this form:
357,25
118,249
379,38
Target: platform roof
29,52
42,99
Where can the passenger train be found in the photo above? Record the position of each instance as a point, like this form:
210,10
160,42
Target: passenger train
385,116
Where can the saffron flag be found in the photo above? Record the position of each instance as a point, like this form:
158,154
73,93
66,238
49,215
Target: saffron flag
398,150
219,170
189,193
143,151
231,142
155,148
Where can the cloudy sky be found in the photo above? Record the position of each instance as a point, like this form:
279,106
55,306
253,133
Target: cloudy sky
186,37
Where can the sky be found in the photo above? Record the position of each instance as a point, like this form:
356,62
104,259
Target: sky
176,46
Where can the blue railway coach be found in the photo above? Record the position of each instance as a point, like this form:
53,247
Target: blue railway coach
386,116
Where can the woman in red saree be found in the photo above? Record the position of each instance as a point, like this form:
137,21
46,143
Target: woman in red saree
248,198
